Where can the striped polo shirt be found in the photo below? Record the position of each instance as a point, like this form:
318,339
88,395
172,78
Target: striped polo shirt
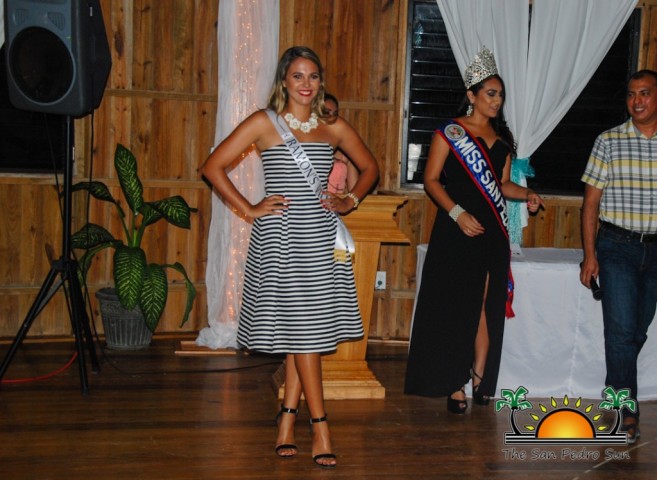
623,164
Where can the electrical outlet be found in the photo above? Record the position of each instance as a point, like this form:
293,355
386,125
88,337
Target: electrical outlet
380,282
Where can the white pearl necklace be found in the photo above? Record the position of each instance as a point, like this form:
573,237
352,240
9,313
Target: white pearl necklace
296,124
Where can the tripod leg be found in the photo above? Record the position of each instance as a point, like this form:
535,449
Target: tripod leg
79,312
76,323
68,270
74,303
42,298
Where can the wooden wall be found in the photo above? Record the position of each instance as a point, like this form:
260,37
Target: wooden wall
161,103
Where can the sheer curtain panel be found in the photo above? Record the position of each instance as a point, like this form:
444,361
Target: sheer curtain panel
248,53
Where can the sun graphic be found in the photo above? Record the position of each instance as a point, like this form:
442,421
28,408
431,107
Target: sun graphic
566,421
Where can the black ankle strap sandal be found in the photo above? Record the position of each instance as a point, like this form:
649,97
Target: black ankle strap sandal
286,446
320,456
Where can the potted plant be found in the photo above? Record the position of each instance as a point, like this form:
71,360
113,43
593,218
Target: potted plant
141,287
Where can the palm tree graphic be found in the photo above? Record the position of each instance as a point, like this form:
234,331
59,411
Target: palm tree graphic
514,400
617,400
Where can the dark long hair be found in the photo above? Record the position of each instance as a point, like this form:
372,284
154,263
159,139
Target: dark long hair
499,122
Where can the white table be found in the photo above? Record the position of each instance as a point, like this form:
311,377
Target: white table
554,346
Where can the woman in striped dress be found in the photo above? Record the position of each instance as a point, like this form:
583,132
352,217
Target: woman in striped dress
298,299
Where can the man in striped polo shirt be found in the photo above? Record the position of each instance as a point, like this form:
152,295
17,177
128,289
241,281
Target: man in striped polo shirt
620,206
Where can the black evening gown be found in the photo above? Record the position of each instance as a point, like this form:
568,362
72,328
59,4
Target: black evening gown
452,290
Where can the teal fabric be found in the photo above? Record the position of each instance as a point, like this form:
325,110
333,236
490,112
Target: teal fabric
520,171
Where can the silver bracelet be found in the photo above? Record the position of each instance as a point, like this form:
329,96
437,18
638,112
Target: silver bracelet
354,198
456,211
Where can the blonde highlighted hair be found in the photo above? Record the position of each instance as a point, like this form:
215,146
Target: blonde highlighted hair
278,97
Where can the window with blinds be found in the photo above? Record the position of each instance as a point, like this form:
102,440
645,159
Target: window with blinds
434,91
434,87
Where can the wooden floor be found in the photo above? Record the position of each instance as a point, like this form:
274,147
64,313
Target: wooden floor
155,415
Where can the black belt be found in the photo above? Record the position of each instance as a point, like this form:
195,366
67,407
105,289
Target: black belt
641,237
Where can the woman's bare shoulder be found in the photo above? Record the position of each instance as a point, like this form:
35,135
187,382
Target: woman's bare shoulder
268,136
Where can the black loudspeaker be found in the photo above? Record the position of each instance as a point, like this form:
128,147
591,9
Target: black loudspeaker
58,58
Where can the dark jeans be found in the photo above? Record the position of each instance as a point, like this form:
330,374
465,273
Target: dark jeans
628,278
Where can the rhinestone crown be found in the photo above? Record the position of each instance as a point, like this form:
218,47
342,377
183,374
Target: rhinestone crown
482,67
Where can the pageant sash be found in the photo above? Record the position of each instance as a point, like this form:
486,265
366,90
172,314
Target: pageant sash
344,243
474,159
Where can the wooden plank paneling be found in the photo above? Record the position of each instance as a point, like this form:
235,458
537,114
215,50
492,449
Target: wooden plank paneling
160,102
651,48
556,226
11,234
648,48
142,48
205,48
119,28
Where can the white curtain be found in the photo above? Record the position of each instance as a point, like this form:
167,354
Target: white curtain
567,43
248,53
500,25
544,69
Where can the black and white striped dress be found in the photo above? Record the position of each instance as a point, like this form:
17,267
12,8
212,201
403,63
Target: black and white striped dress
297,298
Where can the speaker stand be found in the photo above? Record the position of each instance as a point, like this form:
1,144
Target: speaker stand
66,268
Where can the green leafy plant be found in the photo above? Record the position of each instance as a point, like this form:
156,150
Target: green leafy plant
137,282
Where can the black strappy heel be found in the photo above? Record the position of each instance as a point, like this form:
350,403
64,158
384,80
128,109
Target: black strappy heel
286,446
477,397
457,406
322,455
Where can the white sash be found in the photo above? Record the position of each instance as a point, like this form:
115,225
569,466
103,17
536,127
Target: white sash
344,243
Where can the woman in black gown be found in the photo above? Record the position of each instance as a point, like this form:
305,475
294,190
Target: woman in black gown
460,313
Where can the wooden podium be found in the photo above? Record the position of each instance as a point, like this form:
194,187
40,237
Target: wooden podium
345,373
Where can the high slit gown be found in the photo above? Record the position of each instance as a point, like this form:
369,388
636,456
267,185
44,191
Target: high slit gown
452,290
